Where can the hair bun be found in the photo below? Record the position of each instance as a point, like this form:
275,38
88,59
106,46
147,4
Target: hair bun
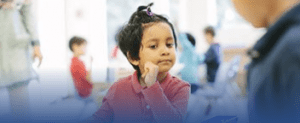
141,8
150,4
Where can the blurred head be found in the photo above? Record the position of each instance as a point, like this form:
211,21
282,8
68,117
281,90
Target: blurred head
78,45
262,13
191,39
10,4
254,11
209,34
148,38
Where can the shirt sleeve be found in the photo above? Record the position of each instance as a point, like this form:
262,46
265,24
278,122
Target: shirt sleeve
278,98
167,110
185,43
79,73
187,48
200,58
183,57
29,22
105,113
210,55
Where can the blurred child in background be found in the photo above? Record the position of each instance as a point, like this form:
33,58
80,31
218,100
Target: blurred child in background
191,59
213,54
81,77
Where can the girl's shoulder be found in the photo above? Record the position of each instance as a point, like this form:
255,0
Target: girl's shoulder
124,81
119,87
175,86
179,82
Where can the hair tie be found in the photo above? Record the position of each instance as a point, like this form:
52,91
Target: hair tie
149,11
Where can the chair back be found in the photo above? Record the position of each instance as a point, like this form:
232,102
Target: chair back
234,68
226,73
221,77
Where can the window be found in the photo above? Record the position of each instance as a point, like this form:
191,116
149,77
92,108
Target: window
227,17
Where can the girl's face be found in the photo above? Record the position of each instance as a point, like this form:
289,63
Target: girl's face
158,47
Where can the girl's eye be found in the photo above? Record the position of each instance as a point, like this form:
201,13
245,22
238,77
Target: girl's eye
153,46
170,45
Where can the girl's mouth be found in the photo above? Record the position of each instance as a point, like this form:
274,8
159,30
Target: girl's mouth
165,61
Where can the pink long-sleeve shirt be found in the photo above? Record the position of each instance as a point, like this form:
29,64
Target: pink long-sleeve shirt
128,101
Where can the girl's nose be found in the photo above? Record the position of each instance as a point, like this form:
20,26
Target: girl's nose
165,51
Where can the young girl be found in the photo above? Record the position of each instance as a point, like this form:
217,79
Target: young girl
151,94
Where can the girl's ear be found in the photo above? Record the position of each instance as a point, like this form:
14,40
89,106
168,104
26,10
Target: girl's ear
132,61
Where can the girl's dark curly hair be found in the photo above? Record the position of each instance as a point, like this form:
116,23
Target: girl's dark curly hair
130,36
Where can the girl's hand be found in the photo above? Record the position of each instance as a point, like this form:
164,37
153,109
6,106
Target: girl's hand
150,74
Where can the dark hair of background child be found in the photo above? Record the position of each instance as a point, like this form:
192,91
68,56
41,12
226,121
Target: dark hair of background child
210,30
130,36
191,39
76,40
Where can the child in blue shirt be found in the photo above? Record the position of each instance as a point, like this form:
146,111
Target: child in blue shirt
213,54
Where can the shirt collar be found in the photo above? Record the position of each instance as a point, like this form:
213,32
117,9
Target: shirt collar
137,86
75,58
268,41
214,43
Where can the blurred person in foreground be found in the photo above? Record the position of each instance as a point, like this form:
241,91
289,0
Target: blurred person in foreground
274,73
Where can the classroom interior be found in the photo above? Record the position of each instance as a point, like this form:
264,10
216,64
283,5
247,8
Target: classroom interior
99,20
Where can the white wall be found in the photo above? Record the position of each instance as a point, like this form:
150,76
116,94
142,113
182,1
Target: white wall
51,28
239,37
161,7
182,19
52,35
196,14
98,37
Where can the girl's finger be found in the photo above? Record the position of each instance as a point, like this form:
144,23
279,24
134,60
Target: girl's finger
145,73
